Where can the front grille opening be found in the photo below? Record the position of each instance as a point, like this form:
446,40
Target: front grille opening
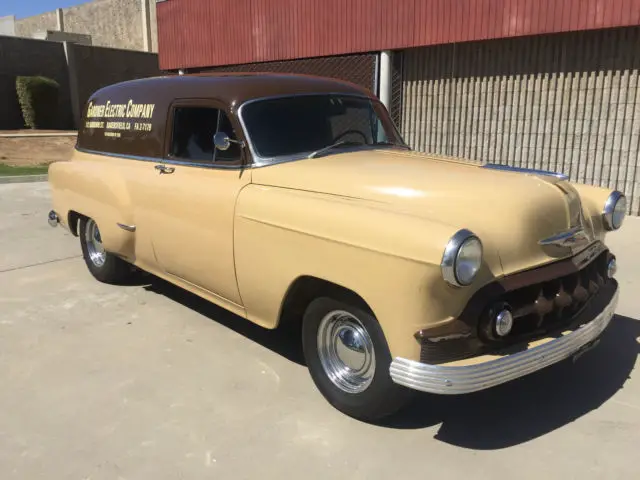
548,306
524,325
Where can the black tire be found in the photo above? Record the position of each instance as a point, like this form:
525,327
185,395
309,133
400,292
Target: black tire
114,270
382,397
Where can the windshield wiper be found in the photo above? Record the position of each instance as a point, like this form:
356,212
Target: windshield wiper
342,143
390,144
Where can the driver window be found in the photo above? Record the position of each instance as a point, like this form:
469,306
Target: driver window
193,131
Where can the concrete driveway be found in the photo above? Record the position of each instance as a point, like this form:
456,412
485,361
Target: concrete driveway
148,382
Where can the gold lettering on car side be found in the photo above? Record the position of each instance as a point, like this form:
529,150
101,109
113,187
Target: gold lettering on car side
121,112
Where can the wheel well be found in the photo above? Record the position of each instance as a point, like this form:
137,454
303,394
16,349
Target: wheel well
305,289
74,219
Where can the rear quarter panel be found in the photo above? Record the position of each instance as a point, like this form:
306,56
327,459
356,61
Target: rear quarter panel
94,186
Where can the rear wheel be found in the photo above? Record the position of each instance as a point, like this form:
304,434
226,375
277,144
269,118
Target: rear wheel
104,266
349,359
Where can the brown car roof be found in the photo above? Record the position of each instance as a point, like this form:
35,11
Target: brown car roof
231,88
143,135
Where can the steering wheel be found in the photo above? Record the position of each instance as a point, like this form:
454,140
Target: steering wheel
347,132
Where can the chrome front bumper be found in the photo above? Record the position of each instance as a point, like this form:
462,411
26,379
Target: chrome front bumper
452,380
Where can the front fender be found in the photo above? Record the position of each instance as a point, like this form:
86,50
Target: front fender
593,200
392,260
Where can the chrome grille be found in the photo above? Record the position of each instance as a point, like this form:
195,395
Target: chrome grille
558,300
545,306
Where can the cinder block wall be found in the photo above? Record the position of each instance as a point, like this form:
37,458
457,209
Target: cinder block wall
99,67
565,102
111,23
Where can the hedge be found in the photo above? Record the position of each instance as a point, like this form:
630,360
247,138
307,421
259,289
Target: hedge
38,97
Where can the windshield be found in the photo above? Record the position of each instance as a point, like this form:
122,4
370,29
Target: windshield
300,125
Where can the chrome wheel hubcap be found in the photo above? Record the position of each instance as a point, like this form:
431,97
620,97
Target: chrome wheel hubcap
346,351
94,244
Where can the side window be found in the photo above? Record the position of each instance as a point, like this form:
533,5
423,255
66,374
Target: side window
193,131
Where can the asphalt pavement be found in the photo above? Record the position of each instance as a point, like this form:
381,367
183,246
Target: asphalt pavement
146,381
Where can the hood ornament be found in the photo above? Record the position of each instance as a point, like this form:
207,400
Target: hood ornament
576,237
573,238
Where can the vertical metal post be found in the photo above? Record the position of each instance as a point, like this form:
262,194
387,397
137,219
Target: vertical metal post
376,76
146,25
60,19
69,54
385,78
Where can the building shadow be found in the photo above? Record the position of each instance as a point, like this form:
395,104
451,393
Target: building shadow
497,418
534,405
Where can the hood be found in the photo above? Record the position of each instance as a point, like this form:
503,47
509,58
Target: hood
510,211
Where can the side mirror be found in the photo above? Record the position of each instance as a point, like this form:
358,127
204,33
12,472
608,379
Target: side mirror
221,141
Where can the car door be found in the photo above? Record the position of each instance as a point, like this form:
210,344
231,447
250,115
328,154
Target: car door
193,199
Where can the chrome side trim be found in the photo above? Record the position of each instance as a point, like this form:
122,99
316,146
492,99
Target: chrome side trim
119,155
507,168
128,228
162,160
453,380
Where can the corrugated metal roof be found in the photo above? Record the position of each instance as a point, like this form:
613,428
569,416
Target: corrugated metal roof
199,33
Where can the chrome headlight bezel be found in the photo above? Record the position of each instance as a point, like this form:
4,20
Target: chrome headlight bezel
449,264
609,213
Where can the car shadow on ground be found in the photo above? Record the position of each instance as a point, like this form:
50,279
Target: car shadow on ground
283,341
497,418
534,405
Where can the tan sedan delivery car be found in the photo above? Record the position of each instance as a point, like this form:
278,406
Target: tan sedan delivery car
287,198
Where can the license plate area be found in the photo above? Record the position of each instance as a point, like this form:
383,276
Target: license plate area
584,349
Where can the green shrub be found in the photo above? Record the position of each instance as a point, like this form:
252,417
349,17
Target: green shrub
38,97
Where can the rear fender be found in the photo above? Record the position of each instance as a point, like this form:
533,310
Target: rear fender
92,189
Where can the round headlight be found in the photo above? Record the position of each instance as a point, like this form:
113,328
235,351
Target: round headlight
462,258
615,208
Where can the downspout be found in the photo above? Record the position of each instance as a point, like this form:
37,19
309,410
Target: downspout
385,78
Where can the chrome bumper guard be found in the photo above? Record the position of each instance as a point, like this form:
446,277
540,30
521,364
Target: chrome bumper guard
453,380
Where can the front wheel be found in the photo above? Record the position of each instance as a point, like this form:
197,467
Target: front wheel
348,359
104,266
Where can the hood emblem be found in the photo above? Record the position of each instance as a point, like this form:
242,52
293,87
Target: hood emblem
574,238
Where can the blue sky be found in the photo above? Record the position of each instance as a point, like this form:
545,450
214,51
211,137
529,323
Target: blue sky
26,8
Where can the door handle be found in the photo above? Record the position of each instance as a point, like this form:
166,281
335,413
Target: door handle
164,169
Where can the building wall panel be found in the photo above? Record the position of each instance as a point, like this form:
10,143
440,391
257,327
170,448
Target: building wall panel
566,102
197,33
111,23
